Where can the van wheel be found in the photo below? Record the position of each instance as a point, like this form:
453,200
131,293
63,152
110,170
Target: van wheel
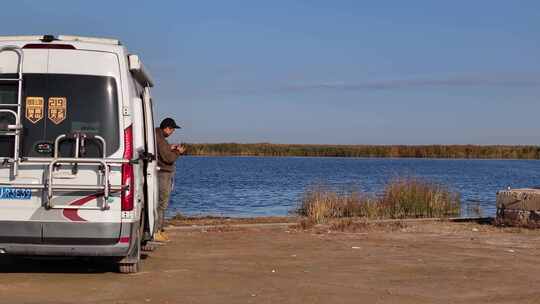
148,247
132,263
144,236
129,267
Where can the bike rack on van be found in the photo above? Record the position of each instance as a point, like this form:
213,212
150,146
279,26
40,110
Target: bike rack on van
9,129
49,186
103,163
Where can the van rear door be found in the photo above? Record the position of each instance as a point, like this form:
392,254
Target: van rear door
85,104
78,93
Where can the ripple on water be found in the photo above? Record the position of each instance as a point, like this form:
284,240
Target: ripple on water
266,186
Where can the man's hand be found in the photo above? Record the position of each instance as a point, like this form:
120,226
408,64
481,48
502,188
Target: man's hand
178,149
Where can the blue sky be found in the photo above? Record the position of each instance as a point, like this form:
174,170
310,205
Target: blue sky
335,72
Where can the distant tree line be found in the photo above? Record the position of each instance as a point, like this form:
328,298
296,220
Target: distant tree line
419,151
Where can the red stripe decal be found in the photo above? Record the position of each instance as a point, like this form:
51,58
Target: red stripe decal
124,239
72,214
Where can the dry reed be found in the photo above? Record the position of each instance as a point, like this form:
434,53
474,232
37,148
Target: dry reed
401,198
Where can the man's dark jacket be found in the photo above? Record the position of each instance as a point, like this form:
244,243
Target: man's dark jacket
166,157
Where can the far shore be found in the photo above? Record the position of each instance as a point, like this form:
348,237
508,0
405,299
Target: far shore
367,151
353,157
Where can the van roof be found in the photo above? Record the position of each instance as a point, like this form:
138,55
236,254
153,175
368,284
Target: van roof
136,67
100,40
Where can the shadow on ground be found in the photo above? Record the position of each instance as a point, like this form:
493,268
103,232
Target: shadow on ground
83,265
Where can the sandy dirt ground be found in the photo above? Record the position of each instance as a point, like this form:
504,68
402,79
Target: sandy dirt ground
392,263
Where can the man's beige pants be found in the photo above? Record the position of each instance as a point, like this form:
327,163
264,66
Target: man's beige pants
165,186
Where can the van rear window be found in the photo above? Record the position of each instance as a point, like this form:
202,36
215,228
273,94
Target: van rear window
56,104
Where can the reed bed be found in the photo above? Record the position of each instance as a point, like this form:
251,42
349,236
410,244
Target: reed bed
401,198
419,151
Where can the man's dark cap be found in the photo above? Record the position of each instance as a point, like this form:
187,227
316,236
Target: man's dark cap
169,122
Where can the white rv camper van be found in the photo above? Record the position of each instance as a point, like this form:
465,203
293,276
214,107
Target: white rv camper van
77,150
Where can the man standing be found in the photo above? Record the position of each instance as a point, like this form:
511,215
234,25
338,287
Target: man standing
167,155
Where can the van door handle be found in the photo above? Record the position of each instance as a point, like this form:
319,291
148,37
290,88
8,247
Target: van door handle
147,156
144,156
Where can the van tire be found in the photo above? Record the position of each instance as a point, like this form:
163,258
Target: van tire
132,267
129,267
144,235
148,247
133,263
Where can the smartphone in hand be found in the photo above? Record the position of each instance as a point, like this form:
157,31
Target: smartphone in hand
180,148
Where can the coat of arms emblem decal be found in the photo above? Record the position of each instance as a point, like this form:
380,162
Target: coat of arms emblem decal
34,109
57,109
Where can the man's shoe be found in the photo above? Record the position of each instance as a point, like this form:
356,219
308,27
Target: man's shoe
160,237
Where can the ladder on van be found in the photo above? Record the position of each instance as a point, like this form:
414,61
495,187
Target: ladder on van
14,110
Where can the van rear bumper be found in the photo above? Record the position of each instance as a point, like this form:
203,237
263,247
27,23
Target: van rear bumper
120,250
64,238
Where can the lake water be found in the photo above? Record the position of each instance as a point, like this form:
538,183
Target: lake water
262,186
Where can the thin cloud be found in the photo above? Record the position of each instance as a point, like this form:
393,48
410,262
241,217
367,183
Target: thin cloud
504,81
499,80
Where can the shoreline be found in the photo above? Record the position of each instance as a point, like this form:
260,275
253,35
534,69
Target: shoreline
358,157
270,221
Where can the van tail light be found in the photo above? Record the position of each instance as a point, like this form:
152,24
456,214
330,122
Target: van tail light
127,171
